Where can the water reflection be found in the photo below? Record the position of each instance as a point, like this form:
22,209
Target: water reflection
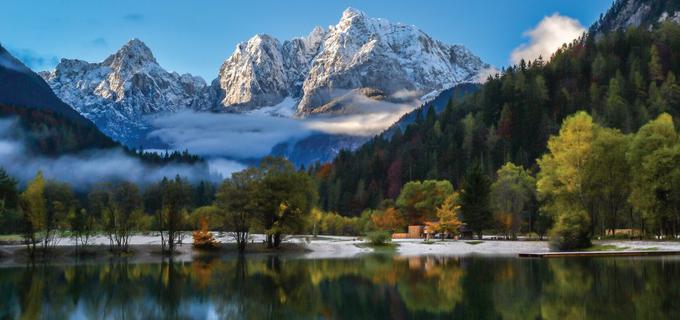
368,287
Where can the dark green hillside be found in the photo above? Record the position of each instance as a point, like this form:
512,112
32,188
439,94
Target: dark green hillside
47,133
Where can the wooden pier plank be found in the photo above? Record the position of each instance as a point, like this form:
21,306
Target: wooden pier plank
598,254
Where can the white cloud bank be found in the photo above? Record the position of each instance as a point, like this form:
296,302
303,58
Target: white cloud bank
87,168
253,135
547,37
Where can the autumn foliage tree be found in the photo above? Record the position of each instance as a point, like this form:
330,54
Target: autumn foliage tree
448,214
388,220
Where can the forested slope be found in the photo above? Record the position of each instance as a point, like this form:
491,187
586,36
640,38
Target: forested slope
623,79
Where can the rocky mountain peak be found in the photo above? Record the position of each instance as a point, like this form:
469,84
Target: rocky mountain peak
635,13
365,52
314,38
134,54
253,74
117,92
260,40
357,52
351,13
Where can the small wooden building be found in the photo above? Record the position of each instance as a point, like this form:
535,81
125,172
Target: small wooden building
414,232
631,233
428,232
465,233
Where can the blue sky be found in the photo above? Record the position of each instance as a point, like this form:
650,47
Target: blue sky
196,36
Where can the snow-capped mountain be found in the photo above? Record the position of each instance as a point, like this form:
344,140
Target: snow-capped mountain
263,71
359,52
357,66
117,92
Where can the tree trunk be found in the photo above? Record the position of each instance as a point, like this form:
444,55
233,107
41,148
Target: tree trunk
277,240
171,241
270,242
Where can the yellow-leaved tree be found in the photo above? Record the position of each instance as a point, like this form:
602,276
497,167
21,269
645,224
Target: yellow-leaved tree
34,211
448,213
561,180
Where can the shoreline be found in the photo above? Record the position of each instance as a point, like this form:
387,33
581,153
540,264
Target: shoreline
146,249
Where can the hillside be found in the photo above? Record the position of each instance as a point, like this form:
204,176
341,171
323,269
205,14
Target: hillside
623,79
19,86
49,125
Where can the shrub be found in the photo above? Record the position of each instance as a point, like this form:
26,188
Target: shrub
571,231
334,224
203,238
379,238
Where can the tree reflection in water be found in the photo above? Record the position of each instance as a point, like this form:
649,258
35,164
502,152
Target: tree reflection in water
373,286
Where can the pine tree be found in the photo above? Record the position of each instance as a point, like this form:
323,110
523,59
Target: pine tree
474,200
671,93
655,69
616,108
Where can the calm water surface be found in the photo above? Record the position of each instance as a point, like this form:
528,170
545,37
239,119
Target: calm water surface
381,287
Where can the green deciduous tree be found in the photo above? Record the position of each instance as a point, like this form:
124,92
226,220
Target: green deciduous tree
607,178
419,200
284,199
82,225
663,169
649,154
127,213
175,205
237,204
512,194
59,203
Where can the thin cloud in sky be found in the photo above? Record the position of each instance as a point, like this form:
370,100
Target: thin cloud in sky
99,42
133,17
547,37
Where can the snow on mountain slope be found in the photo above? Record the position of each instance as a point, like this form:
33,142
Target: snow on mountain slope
364,52
358,52
263,72
116,93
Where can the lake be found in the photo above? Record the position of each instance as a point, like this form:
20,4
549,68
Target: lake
371,286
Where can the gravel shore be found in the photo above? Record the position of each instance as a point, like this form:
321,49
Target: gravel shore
146,248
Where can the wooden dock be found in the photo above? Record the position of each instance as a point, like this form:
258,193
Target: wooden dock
572,254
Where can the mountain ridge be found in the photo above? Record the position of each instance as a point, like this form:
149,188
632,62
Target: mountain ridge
316,70
117,92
